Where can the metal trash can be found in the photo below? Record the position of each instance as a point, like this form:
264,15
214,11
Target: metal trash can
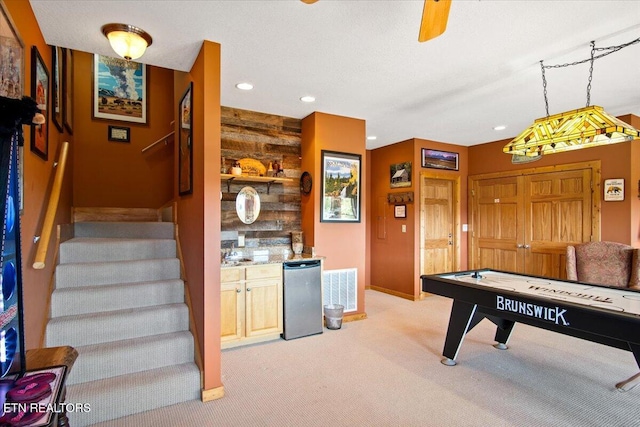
333,315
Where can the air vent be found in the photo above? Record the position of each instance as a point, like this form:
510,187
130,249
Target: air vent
341,287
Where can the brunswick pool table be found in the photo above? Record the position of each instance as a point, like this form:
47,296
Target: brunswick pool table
601,314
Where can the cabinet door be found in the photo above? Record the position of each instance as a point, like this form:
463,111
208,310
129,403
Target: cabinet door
263,306
231,311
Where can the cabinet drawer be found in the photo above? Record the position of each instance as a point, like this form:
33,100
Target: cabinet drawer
263,271
231,274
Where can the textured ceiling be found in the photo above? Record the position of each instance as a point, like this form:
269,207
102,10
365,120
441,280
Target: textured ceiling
362,59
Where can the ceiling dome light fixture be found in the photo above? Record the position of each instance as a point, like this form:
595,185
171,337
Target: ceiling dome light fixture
308,99
372,138
499,127
244,86
126,40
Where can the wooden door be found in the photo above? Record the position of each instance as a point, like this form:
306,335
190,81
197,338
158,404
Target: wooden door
497,224
263,305
557,213
231,310
524,223
437,226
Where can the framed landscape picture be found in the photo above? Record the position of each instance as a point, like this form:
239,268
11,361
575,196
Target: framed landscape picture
185,147
67,89
400,175
40,92
56,86
340,187
119,89
11,58
437,159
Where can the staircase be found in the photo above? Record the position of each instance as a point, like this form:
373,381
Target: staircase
119,301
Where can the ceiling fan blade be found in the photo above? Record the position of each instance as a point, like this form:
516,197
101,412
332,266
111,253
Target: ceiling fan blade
434,19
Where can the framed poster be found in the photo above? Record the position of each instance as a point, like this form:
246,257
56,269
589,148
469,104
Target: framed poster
400,175
185,153
40,92
340,187
437,159
11,57
614,190
119,134
119,89
67,89
400,211
56,86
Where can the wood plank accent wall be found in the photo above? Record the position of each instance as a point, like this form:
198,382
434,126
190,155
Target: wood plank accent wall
267,138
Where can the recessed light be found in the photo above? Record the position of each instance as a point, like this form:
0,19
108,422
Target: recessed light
372,138
244,86
308,99
500,127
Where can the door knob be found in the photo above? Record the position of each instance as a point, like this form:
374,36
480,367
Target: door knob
527,246
519,245
238,290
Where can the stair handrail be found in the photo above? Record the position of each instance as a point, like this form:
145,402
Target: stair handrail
153,144
42,241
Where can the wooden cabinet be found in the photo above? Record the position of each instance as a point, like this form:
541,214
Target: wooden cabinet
251,304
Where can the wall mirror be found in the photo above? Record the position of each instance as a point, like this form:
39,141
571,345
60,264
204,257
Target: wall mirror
248,205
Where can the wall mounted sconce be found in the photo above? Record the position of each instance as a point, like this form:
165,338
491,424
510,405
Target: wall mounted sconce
406,197
126,40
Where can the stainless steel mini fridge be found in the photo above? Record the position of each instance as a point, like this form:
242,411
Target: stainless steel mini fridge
302,299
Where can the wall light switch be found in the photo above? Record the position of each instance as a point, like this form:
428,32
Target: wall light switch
240,240
465,227
404,228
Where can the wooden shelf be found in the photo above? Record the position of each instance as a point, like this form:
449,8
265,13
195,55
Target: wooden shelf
246,178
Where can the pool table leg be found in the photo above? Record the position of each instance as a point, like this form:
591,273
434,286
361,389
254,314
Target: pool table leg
463,319
633,381
503,333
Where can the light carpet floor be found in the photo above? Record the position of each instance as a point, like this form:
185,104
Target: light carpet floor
386,371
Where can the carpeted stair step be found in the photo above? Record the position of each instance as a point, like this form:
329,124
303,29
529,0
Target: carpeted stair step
92,249
91,299
124,230
105,360
117,397
109,273
87,329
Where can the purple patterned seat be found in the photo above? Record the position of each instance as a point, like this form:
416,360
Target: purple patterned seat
604,263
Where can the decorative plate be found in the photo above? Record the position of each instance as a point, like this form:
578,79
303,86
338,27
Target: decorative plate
305,183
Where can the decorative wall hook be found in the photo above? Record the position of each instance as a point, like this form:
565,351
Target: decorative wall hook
406,197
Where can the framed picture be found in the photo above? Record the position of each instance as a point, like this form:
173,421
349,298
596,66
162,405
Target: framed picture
400,175
40,92
400,211
56,86
119,134
67,89
185,153
614,190
119,89
340,187
11,57
437,159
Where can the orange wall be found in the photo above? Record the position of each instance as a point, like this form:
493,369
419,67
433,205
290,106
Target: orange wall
395,257
38,176
617,161
343,244
199,213
118,174
392,251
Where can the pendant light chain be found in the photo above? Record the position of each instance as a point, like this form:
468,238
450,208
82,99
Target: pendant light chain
608,51
593,51
544,88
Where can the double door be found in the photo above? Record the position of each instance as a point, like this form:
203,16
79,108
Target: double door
523,223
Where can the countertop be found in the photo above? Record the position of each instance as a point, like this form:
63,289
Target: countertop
270,259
